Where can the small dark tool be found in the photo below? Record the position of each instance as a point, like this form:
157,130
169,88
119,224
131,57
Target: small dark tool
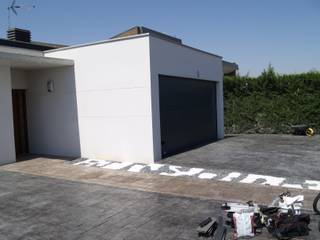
212,228
221,232
205,222
207,227
302,129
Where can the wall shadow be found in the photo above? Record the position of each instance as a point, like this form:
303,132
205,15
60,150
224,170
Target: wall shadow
53,126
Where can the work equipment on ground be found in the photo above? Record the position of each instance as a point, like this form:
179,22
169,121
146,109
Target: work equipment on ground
287,204
243,224
303,129
283,218
221,232
212,228
207,227
286,226
316,205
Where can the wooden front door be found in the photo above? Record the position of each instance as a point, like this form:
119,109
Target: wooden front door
20,122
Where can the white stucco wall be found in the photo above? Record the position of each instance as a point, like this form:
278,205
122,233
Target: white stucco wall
19,79
52,117
176,60
7,146
114,99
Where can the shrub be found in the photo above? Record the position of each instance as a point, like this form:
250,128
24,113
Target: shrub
271,103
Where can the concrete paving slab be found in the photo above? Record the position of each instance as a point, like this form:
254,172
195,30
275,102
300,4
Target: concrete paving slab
79,210
180,186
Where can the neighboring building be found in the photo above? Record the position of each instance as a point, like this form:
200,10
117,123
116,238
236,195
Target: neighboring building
137,97
230,69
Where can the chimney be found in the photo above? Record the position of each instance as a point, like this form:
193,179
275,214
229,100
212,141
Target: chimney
17,34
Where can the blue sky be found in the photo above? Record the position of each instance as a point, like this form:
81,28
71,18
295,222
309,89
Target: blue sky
253,33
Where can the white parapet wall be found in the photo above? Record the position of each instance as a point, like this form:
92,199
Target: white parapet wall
7,146
114,98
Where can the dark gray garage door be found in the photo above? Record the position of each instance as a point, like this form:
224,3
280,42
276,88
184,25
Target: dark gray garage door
188,113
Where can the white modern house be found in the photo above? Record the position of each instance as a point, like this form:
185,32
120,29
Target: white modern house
137,97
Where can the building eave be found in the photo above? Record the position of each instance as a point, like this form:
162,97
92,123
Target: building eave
28,62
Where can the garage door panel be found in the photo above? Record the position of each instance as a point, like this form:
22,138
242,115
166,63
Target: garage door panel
187,113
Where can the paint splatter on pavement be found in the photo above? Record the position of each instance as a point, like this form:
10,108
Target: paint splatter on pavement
201,173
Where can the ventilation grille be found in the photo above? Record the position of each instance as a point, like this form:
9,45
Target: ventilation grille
16,34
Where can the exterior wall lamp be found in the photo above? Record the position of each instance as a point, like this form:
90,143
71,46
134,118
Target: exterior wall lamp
50,86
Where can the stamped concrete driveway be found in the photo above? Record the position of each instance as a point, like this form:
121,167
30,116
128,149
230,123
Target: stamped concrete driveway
275,155
34,207
37,208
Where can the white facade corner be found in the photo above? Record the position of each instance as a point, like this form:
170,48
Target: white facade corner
104,102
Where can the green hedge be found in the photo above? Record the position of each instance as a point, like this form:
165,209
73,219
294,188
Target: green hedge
271,103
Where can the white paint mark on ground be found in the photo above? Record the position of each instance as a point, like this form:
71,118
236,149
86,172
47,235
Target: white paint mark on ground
296,186
313,185
136,168
207,175
84,163
93,162
118,165
177,172
267,180
155,166
102,163
231,176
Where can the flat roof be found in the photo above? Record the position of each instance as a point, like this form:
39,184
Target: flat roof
229,67
97,43
141,29
40,46
29,62
128,38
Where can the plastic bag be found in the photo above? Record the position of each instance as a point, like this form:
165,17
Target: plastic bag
244,224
